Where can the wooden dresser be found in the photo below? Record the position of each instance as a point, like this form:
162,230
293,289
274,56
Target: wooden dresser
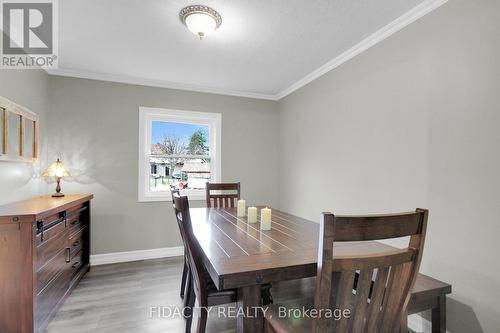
44,252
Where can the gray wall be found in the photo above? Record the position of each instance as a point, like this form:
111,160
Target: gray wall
97,127
412,122
28,88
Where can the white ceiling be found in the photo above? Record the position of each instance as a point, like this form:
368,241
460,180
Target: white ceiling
263,49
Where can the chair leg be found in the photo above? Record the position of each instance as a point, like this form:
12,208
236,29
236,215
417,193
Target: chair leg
202,320
191,298
439,316
184,277
268,328
187,294
267,297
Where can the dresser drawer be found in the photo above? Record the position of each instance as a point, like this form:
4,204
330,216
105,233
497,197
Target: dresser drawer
50,297
50,228
52,268
49,249
76,242
76,263
75,220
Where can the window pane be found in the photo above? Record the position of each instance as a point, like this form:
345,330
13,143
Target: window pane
179,156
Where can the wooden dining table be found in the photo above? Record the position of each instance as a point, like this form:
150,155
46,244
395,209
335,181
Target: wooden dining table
238,255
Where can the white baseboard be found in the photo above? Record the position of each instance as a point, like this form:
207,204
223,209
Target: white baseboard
117,257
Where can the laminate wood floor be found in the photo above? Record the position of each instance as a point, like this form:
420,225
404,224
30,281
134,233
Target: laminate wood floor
118,298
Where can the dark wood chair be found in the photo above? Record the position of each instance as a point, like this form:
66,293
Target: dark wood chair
200,285
227,194
185,270
376,289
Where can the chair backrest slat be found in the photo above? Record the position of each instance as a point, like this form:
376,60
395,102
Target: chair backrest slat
383,260
364,228
376,297
377,288
343,298
361,300
226,195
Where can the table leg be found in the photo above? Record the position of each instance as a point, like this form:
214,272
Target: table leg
439,316
249,302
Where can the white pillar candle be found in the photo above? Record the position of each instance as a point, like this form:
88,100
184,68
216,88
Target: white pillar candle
265,219
241,208
252,214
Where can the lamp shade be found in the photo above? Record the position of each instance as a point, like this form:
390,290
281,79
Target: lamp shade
201,24
56,169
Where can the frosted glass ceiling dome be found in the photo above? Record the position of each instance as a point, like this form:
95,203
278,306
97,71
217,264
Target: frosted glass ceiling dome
200,20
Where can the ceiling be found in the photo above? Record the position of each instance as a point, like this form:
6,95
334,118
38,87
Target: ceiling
263,49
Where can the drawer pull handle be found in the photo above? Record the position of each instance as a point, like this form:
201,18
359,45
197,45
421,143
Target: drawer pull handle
68,255
41,226
76,243
39,229
75,264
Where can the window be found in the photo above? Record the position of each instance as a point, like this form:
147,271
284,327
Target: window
180,149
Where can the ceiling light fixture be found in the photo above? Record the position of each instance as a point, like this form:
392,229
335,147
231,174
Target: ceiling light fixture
200,20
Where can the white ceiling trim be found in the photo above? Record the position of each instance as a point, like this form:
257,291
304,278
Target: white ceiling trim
401,22
156,83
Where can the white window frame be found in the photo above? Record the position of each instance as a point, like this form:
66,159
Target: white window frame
146,117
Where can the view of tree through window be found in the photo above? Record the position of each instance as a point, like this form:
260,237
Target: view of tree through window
180,156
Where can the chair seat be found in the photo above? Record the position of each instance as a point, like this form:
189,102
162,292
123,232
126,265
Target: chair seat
223,296
218,297
300,293
289,323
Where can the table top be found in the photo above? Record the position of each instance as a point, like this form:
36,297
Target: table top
238,254
42,206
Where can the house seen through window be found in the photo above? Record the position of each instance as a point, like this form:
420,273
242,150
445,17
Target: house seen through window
180,156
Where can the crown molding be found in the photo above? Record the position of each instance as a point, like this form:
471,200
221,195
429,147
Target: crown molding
156,83
401,22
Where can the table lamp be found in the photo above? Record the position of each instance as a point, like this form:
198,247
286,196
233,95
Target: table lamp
58,170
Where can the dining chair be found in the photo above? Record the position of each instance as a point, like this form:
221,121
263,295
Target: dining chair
226,194
200,285
375,289
185,270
